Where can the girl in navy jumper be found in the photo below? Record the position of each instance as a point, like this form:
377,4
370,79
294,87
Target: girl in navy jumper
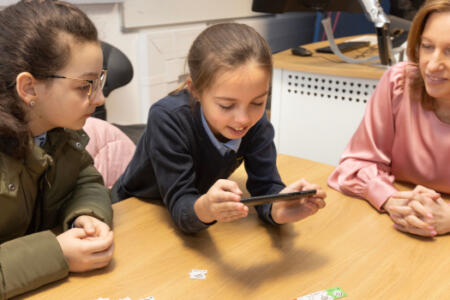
199,134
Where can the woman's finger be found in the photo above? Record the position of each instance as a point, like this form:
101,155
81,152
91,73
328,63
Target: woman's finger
420,209
416,231
401,210
414,221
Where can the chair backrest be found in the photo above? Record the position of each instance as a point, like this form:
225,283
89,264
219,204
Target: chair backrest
120,72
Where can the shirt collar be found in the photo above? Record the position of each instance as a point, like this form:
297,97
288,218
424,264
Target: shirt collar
40,139
231,145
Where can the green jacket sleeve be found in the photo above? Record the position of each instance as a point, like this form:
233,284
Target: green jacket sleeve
29,262
90,197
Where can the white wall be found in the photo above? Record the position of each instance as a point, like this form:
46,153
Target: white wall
158,53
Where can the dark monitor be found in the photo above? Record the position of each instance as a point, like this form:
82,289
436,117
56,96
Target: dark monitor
283,6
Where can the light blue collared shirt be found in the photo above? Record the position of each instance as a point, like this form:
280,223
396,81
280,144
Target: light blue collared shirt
40,139
224,148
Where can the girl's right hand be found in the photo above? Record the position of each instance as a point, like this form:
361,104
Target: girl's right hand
221,203
84,252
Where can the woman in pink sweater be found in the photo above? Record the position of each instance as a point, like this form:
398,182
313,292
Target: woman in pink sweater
405,133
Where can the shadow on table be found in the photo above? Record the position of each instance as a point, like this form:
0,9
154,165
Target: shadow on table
287,260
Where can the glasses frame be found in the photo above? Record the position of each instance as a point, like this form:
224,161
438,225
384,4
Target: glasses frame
94,84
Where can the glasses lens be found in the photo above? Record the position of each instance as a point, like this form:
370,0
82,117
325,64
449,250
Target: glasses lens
91,93
103,78
97,85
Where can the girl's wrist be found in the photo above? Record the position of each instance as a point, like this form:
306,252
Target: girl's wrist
274,214
201,210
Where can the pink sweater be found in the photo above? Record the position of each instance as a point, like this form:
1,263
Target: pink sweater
396,140
110,148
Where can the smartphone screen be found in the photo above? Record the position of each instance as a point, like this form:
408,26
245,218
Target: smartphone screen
257,200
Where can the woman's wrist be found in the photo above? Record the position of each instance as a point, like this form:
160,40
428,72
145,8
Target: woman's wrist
386,204
447,227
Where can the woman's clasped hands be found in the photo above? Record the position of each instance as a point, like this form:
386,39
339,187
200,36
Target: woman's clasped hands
421,211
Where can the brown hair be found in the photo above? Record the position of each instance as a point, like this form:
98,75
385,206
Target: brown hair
417,85
223,47
30,42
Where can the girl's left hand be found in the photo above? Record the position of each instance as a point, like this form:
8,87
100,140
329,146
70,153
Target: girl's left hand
295,210
92,226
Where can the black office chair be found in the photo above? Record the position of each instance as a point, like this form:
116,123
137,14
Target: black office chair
120,73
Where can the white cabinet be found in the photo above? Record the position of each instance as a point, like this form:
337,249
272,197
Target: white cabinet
315,115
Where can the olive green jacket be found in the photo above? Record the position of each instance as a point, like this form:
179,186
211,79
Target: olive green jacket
49,188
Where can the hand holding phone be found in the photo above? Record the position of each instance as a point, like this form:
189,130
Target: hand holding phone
257,200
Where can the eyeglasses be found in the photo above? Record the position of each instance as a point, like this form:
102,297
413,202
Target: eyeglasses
94,85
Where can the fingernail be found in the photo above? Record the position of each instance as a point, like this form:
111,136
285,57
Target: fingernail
431,227
430,215
433,233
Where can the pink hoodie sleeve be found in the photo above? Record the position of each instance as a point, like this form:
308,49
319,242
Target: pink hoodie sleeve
365,167
110,148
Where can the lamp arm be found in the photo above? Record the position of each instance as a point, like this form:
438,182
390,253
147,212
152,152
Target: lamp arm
374,13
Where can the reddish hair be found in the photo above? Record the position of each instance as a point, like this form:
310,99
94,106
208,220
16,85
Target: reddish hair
417,85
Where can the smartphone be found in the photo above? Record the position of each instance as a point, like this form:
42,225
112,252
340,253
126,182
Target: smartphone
257,200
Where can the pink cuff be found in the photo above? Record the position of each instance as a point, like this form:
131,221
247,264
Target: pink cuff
378,191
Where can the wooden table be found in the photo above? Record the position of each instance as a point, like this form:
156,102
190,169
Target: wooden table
347,244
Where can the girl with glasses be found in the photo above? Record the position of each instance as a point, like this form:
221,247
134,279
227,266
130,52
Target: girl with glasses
50,82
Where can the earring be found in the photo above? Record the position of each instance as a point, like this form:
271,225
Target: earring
32,103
